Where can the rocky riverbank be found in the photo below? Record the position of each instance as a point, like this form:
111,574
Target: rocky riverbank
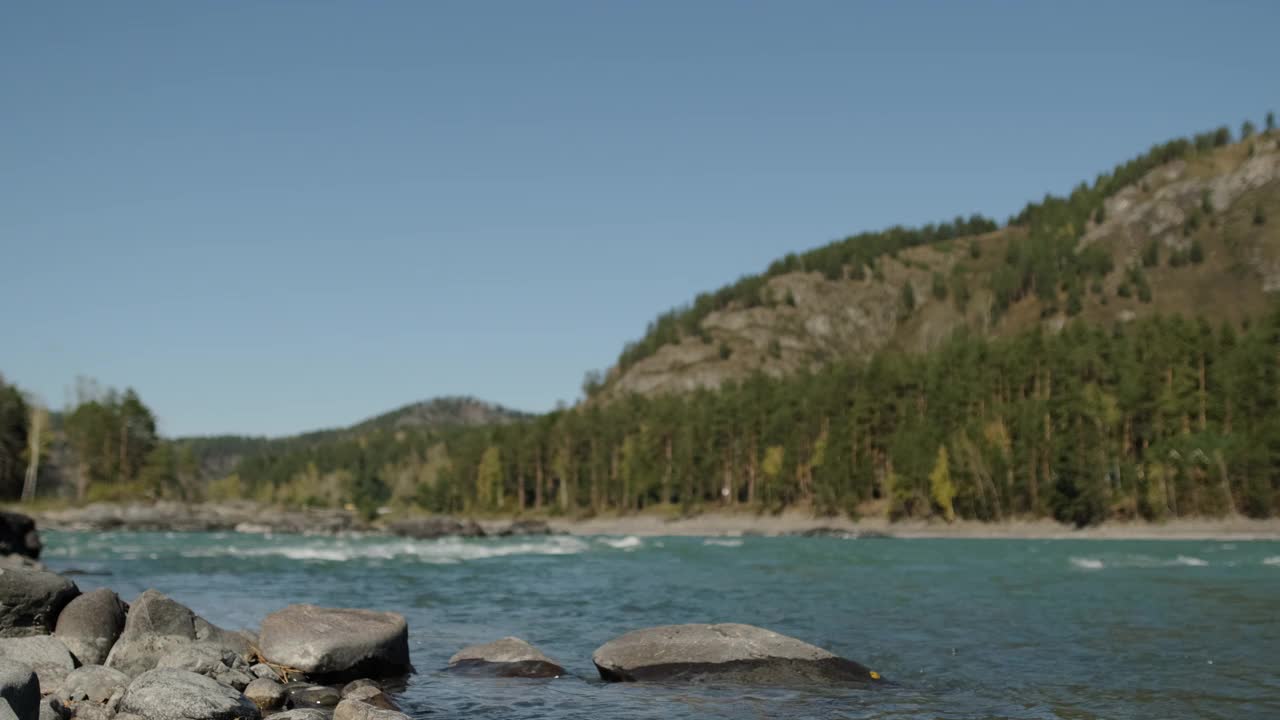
66,654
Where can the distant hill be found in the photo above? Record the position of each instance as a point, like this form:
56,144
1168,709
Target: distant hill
219,455
1180,230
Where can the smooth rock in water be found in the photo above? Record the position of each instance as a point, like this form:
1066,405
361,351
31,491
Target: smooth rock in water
266,694
353,709
18,535
303,695
30,601
373,696
90,624
731,651
525,527
91,683
169,694
44,654
508,657
19,688
334,641
360,683
430,528
301,714
157,626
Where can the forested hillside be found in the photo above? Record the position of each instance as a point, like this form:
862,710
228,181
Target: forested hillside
1113,353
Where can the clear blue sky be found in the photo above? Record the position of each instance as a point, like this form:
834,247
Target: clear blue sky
272,217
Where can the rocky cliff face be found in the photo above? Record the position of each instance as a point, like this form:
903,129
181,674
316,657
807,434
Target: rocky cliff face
1228,202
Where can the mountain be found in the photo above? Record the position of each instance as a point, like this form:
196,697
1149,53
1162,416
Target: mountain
1179,230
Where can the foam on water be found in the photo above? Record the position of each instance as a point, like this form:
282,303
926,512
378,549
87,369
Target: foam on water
722,543
1273,560
630,542
1087,563
444,551
1190,561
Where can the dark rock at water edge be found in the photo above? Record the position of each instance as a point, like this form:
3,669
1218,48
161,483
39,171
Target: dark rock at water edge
831,532
430,528
90,625
731,652
30,601
526,527
267,694
507,657
170,694
19,688
336,643
45,655
157,626
308,695
18,535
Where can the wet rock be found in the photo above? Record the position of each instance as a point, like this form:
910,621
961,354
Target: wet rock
266,694
525,527
18,535
336,641
301,714
157,626
352,709
431,528
30,601
169,694
360,683
303,695
90,624
44,654
729,651
508,657
19,688
373,696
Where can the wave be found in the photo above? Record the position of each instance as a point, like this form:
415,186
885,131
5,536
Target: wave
1273,560
1137,561
1190,561
437,552
1088,563
630,542
722,543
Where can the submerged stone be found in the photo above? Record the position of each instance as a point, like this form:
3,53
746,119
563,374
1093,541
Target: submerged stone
507,657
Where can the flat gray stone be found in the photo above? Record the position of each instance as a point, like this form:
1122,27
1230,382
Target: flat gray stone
90,624
507,657
157,626
168,694
44,654
301,714
30,601
732,651
264,670
335,641
352,709
19,689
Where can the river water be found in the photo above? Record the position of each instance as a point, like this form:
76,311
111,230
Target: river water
965,628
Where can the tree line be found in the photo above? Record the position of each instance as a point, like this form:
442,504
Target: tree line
1159,418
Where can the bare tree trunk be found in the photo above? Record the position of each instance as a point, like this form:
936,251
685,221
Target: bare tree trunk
33,450
537,481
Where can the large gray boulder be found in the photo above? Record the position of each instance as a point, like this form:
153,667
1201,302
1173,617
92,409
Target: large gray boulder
508,657
169,694
18,535
336,641
730,651
19,689
44,654
90,625
157,626
30,601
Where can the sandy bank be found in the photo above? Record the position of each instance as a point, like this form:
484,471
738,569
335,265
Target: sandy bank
729,524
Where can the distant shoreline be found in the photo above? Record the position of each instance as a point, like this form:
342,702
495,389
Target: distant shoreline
242,516
794,523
